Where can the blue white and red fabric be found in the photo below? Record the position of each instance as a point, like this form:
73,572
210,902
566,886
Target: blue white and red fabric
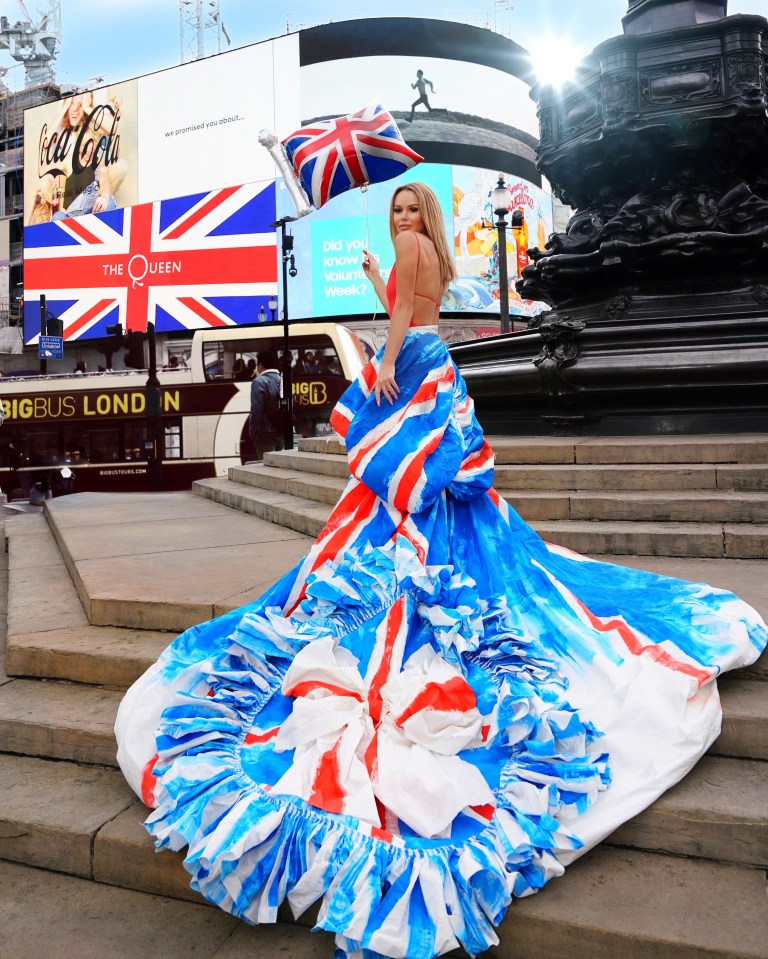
435,711
332,156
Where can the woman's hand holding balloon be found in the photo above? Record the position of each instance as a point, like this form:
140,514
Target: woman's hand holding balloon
370,265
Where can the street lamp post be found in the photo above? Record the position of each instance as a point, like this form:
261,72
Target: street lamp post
286,403
500,202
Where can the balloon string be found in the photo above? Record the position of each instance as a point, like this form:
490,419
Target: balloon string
364,188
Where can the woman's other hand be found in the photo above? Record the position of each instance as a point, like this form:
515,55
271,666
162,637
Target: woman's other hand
385,384
370,265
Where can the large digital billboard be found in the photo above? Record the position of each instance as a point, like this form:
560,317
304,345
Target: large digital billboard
80,154
199,124
169,134
328,243
108,172
196,262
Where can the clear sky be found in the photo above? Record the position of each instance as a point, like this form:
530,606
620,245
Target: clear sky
120,39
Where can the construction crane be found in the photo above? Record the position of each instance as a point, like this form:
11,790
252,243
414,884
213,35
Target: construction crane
200,29
34,41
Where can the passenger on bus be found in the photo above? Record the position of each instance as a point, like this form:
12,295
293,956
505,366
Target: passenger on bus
240,371
306,362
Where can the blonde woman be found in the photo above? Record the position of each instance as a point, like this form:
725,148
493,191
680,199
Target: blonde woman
421,274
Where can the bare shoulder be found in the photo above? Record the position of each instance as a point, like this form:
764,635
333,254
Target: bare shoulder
406,243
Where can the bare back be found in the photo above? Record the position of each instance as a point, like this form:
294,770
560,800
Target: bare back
422,284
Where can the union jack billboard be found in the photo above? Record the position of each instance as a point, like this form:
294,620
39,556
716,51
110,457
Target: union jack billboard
194,262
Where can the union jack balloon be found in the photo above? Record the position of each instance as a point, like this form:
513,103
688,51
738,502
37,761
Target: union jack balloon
333,156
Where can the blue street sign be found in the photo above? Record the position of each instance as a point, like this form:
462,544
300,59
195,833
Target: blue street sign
51,348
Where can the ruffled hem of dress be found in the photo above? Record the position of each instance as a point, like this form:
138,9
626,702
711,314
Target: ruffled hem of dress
381,894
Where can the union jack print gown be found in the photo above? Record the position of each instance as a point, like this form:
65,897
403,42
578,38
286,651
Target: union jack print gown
432,713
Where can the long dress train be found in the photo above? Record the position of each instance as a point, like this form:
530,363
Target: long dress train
435,710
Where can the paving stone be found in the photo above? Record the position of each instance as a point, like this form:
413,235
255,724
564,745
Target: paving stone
185,587
58,721
50,916
326,464
719,811
99,509
714,448
539,506
51,811
624,904
33,550
745,718
95,655
609,477
741,477
690,506
42,599
533,450
323,444
124,854
281,941
646,539
292,512
746,542
222,529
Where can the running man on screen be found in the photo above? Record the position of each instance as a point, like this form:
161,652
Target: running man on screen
421,84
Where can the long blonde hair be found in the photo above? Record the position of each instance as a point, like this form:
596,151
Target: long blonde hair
434,226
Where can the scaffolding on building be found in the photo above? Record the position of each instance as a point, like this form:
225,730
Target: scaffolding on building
34,43
201,30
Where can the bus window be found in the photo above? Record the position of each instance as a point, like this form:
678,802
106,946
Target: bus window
76,445
135,438
235,360
173,440
42,447
104,445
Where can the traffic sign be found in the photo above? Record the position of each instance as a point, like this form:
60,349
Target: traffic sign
51,348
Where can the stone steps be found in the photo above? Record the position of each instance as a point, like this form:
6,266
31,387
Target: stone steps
97,921
94,831
642,477
712,448
307,510
292,512
659,496
695,506
108,656
657,907
59,720
657,887
156,563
